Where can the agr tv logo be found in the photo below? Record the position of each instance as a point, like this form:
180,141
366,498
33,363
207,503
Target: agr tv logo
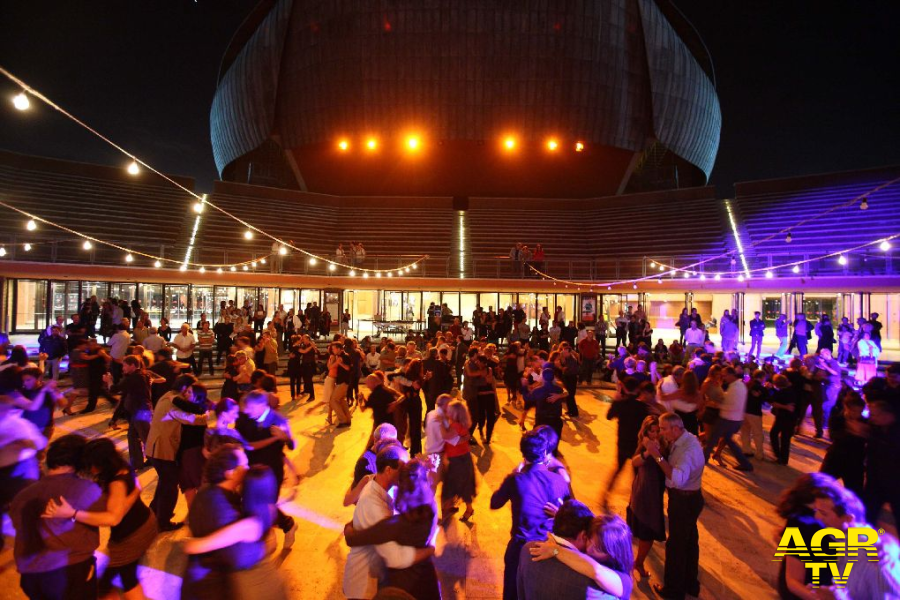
816,557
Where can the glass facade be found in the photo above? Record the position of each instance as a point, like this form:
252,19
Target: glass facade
31,304
152,300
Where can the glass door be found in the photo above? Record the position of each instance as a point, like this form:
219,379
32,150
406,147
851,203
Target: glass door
151,297
31,305
123,291
63,299
177,307
223,293
202,301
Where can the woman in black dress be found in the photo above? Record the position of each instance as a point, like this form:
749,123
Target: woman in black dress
190,457
132,525
645,509
164,331
415,524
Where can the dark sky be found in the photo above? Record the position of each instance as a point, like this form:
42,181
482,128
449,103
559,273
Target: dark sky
805,87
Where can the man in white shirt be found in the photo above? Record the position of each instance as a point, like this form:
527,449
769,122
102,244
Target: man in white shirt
467,333
684,477
434,439
670,385
693,339
366,564
184,342
118,348
731,417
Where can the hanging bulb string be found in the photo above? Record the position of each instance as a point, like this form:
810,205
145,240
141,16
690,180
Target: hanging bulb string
37,94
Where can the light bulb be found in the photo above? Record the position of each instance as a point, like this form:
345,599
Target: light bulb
552,145
371,144
262,260
129,258
157,264
27,247
609,287
662,268
248,235
198,207
133,168
365,275
717,277
21,101
389,273
885,246
740,277
796,269
282,250
686,274
332,268
406,270
769,275
842,260
400,273
87,245
788,237
659,281
233,268
733,262
245,268
31,225
509,143
702,277
413,142
2,251
351,273
343,145
652,265
634,287
415,266
313,261
203,269
253,264
579,147
182,268
219,270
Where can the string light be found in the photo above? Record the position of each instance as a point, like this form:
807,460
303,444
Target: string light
702,277
129,258
253,264
87,245
378,275
406,270
21,102
415,266
2,251
652,265
27,247
282,250
769,275
233,268
717,277
248,235
312,261
262,260
842,260
365,275
741,277
182,268
219,270
332,267
634,287
31,225
157,264
795,269
864,205
885,246
788,237
351,273
389,274
133,168
202,269
245,268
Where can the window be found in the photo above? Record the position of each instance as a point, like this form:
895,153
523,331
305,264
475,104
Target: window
151,297
63,299
223,294
202,301
31,305
177,305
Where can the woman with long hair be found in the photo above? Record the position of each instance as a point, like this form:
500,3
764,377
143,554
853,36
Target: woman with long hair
459,479
686,401
132,524
164,331
230,557
645,509
511,372
415,524
607,559
190,457
713,396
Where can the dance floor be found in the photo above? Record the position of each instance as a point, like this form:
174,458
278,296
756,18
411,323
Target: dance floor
737,527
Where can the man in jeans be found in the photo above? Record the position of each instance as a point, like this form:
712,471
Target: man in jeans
56,556
731,417
134,388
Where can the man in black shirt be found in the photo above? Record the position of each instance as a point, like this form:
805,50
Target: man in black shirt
381,400
134,389
267,432
568,364
630,412
528,489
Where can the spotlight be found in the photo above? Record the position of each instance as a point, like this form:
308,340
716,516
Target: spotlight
21,102
198,207
864,205
796,269
282,250
842,260
343,145
412,143
332,267
157,264
885,246
313,261
248,235
579,147
372,144
27,247
133,168
202,269
509,143
552,145
769,275
31,225
87,245
129,258
183,267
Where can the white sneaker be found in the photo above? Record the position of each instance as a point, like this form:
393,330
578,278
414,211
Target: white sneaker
289,536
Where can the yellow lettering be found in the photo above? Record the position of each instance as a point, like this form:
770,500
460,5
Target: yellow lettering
816,544
855,543
792,544
816,567
837,577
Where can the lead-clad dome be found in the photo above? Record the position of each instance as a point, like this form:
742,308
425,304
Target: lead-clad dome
629,79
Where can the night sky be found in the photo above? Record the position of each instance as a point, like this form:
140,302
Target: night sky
805,87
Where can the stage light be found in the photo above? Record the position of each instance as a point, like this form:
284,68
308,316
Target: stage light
129,258
332,267
133,168
842,260
31,225
27,247
87,245
796,269
198,207
248,235
885,246
552,145
769,275
313,261
371,144
579,147
343,145
21,102
864,205
509,143
157,264
282,250
788,238
202,269
412,143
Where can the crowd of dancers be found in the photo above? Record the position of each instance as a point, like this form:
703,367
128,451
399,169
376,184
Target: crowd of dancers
676,407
